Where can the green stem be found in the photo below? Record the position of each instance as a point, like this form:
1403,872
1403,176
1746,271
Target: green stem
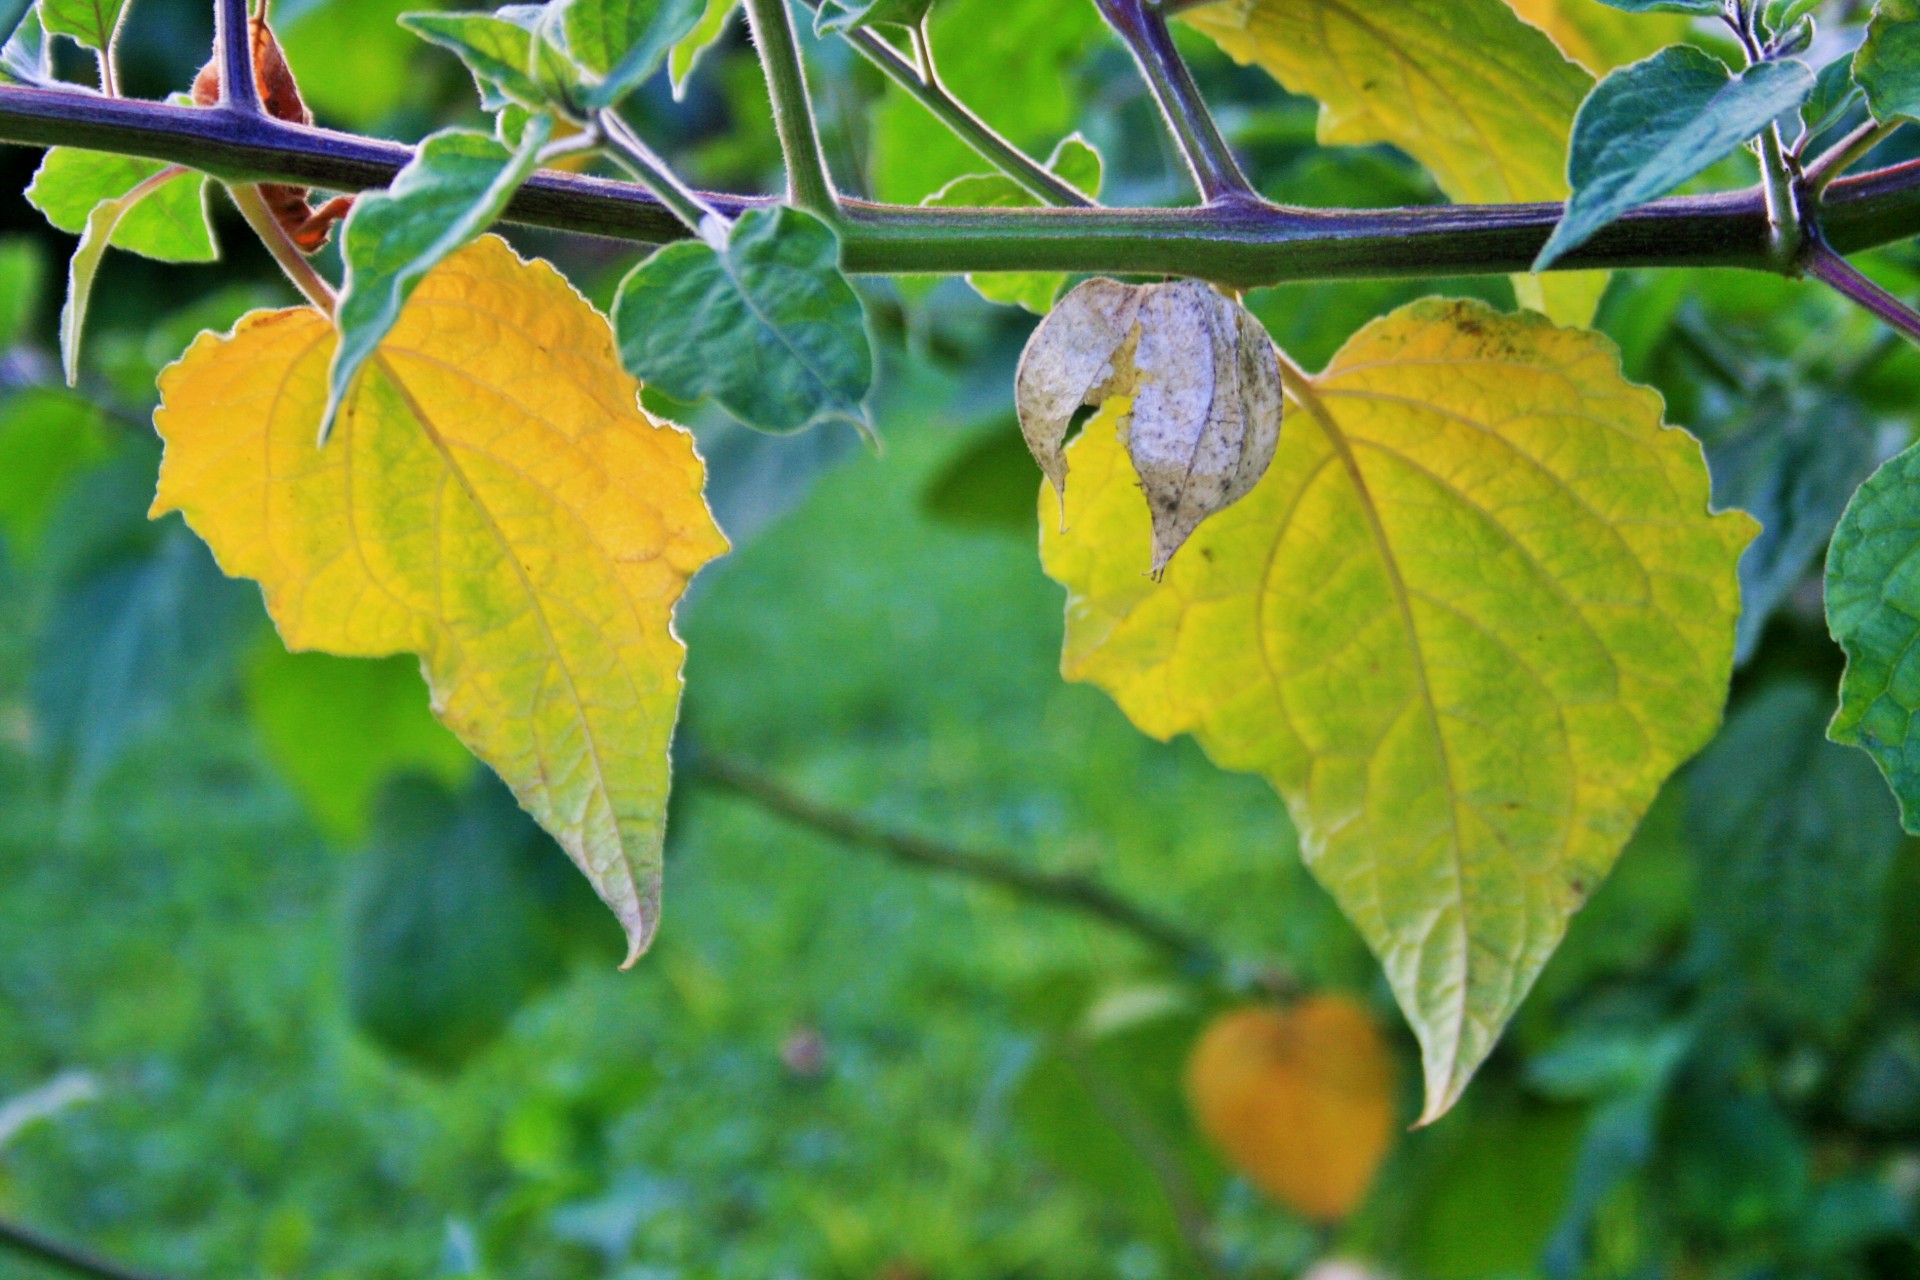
1240,244
1846,153
1193,954
924,85
63,1256
808,185
1143,28
653,173
1786,229
311,284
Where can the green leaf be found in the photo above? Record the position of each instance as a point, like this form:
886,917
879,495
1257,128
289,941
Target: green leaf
1793,838
498,48
101,225
22,279
705,34
27,56
1873,611
140,631
47,438
452,190
169,224
1484,100
766,325
625,41
94,23
1888,64
1013,60
1077,162
1474,615
844,15
1834,92
1794,472
340,727
451,927
1649,127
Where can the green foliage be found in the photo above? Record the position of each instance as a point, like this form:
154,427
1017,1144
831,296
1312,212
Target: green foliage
1794,839
763,322
27,56
1075,161
625,41
1650,127
94,23
1887,67
340,727
1875,617
452,190
48,438
170,224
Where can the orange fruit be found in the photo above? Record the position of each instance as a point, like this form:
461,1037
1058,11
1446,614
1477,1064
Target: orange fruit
1300,1099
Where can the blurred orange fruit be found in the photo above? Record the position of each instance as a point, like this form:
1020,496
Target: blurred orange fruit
1300,1099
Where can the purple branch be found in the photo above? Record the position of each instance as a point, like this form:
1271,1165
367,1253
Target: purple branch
1828,267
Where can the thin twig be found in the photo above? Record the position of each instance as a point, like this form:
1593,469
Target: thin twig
233,44
1847,152
65,1257
1143,29
1828,267
923,84
1072,892
658,177
1242,245
809,186
299,271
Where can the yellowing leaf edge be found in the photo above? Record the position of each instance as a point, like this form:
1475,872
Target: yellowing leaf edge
618,849
1147,647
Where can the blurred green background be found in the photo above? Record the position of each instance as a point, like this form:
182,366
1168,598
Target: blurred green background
289,989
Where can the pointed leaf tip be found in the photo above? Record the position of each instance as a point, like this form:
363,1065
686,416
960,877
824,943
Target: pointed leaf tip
1474,615
1202,383
493,500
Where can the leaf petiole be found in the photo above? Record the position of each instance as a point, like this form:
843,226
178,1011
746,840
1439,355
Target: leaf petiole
300,272
653,173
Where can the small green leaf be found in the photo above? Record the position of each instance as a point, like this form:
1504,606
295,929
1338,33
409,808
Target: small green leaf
1888,64
339,727
94,23
1834,93
22,277
705,34
766,324
1793,838
27,56
451,191
1649,127
1793,471
498,49
844,15
169,224
1077,162
1873,611
97,235
625,41
452,924
47,438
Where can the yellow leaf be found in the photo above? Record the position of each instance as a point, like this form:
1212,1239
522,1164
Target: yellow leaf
1600,38
1473,616
1463,86
1299,1099
492,500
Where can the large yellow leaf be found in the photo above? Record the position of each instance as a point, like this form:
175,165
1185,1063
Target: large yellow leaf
492,500
1473,616
1482,99
1600,38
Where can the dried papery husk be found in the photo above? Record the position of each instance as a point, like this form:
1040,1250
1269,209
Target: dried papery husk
1204,384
